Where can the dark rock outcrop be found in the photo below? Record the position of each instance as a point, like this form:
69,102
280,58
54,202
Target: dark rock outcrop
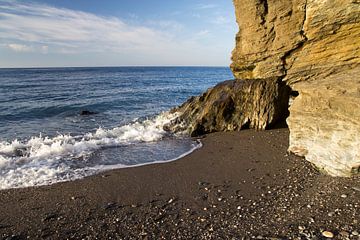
233,105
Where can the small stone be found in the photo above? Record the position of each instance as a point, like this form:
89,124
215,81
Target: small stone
355,233
301,228
327,234
343,195
344,234
73,198
238,208
330,214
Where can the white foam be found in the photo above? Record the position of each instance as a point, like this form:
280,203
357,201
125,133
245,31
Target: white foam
37,160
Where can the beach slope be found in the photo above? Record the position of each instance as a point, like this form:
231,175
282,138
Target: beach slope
238,184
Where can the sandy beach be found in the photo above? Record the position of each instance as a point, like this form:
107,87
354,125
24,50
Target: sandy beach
238,185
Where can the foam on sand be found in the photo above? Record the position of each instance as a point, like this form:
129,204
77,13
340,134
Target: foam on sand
44,160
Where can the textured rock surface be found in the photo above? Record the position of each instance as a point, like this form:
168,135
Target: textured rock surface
314,46
233,105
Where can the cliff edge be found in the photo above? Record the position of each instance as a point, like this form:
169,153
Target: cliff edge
299,53
314,47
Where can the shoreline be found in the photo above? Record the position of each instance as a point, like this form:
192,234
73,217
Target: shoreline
239,184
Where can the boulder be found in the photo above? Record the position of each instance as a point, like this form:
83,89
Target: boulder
233,105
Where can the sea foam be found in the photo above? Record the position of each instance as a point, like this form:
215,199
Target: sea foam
43,160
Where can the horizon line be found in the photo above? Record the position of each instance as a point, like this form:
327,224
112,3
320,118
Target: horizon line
39,67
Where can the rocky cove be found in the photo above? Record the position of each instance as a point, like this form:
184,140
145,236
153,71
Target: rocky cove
305,51
295,61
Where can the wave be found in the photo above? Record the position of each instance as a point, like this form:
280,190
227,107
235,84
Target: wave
45,160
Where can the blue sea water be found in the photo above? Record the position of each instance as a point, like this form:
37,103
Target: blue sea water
44,139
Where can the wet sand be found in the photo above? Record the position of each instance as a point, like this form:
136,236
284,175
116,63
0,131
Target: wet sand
238,185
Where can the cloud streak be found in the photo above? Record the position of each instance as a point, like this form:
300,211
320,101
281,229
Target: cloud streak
72,31
59,36
19,47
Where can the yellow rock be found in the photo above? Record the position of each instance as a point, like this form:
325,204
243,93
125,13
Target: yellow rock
327,234
313,46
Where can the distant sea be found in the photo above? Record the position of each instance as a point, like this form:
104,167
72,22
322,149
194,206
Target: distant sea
44,138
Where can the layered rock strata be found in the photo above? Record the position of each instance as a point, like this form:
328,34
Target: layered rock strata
313,46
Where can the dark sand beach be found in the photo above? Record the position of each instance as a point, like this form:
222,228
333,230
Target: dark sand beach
238,185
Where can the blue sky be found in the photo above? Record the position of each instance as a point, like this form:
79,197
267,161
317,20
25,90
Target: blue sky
116,33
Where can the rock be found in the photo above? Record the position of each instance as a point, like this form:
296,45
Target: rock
313,46
344,234
327,234
86,113
233,105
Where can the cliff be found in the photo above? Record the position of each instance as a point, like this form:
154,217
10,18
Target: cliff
313,46
309,46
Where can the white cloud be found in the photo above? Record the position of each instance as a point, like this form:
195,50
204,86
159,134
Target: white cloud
44,49
19,47
205,6
98,40
202,33
167,25
221,20
73,30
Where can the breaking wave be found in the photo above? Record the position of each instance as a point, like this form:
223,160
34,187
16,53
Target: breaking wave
44,160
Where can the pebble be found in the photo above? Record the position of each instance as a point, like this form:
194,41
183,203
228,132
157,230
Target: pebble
343,195
344,234
330,214
327,234
301,228
355,233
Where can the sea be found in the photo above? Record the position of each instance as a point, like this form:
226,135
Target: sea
62,124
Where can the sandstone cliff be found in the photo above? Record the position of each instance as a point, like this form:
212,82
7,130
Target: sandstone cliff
310,46
313,46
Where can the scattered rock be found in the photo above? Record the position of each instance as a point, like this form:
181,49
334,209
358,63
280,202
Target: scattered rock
327,234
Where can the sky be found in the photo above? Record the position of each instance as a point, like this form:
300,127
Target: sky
50,33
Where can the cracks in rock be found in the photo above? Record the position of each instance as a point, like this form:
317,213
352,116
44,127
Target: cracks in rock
263,16
302,31
297,47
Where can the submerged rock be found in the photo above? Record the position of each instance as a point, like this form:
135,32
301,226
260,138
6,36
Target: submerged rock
233,105
87,113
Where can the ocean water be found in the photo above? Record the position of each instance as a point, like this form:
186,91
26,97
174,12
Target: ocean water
44,139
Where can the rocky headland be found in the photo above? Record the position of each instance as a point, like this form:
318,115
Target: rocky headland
241,184
304,54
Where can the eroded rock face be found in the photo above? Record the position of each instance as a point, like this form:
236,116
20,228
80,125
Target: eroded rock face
233,105
313,46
